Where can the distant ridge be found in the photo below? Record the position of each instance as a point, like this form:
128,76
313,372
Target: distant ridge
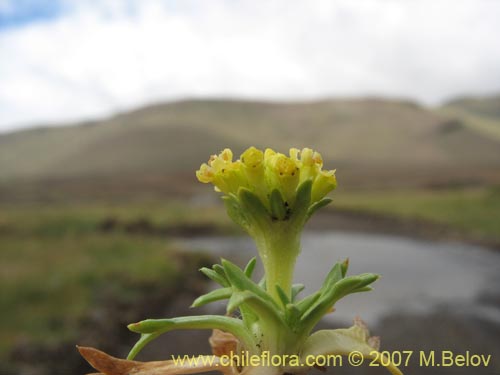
175,137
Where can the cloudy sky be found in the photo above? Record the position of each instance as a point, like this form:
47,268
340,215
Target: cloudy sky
66,60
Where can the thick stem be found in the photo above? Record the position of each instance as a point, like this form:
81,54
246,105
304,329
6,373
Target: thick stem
278,248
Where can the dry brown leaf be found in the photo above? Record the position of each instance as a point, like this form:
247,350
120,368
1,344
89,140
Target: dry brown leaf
109,365
223,343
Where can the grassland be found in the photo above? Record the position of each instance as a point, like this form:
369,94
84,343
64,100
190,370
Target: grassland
56,262
56,259
473,212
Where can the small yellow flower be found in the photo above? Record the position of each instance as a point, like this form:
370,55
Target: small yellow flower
324,182
264,172
282,173
252,158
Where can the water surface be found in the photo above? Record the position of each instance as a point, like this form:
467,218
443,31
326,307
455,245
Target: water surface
417,276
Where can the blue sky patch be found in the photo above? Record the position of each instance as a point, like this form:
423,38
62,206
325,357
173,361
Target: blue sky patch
17,13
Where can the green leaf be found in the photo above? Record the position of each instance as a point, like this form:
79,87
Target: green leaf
241,282
363,289
367,279
250,267
306,303
292,314
333,277
262,283
264,310
296,289
328,299
152,328
141,343
214,295
277,204
282,295
215,276
237,298
345,266
316,206
341,288
317,310
220,270
344,342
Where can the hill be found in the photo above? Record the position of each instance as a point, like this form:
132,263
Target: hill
481,114
372,138
488,106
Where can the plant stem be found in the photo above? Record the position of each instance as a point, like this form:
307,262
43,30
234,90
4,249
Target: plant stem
278,248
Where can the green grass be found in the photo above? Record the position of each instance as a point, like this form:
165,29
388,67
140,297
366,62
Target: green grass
54,260
62,219
48,283
55,263
474,211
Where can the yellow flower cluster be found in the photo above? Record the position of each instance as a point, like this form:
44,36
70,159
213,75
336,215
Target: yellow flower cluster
263,172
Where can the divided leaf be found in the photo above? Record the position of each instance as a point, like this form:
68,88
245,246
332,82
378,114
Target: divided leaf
215,276
152,328
214,295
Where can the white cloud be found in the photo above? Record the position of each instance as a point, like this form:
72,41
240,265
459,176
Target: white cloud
103,56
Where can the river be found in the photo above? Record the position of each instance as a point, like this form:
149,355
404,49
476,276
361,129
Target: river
431,294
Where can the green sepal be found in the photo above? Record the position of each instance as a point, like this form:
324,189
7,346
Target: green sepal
215,276
302,200
277,205
214,295
252,204
250,267
316,206
235,211
296,289
152,328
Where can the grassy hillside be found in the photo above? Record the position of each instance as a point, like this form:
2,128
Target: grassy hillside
482,106
478,114
175,137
